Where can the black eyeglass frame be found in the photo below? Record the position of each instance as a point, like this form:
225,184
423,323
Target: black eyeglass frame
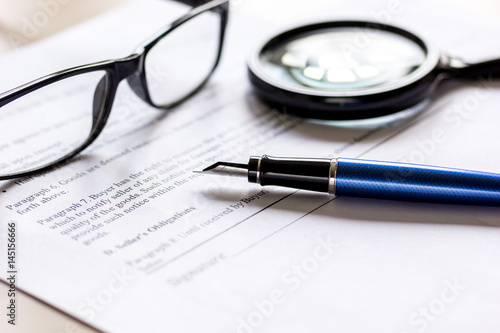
131,68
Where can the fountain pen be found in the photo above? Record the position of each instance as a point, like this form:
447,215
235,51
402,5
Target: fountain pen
369,179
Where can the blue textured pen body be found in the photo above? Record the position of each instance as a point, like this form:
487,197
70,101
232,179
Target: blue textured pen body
411,182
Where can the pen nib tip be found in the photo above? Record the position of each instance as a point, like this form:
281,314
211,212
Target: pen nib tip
225,168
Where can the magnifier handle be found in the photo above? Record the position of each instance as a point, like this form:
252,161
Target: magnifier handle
411,182
486,69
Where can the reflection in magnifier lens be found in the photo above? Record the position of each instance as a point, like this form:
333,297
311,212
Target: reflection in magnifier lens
342,59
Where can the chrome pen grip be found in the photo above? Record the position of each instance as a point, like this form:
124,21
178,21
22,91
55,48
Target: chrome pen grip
411,182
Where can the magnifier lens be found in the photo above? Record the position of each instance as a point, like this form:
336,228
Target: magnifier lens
342,59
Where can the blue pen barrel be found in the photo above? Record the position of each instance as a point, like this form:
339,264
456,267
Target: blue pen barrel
412,182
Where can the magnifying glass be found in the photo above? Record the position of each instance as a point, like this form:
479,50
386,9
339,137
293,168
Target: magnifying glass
348,70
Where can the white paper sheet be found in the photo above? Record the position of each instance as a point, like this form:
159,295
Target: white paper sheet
132,241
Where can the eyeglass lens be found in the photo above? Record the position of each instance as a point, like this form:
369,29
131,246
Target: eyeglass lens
182,60
47,124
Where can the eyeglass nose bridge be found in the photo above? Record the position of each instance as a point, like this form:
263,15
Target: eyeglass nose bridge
132,69
128,68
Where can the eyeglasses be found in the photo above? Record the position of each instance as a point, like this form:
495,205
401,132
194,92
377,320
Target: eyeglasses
67,110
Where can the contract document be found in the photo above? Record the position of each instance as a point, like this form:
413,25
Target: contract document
126,238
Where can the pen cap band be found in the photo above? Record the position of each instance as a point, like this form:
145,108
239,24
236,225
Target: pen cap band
302,173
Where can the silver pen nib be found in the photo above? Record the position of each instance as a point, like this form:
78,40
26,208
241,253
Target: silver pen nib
227,169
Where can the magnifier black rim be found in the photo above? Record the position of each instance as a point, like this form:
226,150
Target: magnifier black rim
431,60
